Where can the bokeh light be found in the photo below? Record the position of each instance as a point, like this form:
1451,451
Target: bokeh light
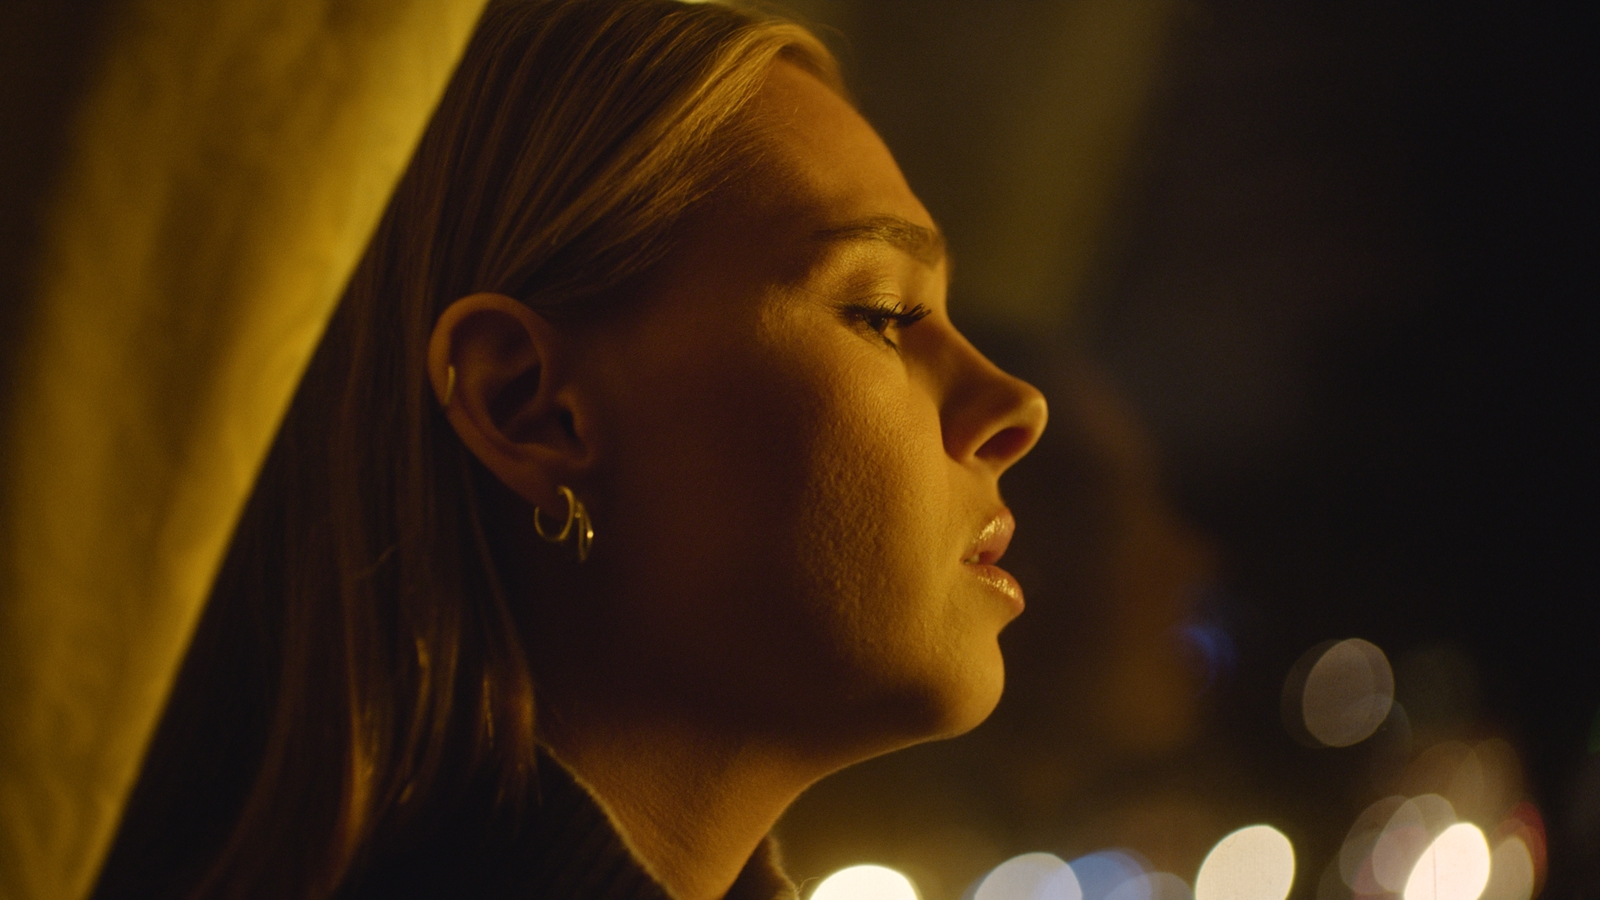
1101,874
1254,863
1031,876
1526,824
1331,885
1061,885
1407,836
1152,886
1355,856
865,883
1482,781
1511,872
1344,694
1454,867
1213,649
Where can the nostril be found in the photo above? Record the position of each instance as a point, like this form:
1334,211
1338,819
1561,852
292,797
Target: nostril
1007,444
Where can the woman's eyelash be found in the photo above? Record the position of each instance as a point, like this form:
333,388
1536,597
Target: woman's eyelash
880,317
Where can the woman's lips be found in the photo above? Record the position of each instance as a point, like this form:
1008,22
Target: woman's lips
990,545
1002,581
993,538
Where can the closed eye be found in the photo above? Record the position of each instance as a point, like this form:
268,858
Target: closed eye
884,318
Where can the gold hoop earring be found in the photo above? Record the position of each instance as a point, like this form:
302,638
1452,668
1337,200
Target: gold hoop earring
577,523
449,386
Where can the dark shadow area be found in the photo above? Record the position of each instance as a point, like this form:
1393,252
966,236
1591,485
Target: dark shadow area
43,47
1328,376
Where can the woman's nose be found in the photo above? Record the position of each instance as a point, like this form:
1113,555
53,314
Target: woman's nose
989,416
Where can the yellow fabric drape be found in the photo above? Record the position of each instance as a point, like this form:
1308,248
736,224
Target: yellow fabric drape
226,161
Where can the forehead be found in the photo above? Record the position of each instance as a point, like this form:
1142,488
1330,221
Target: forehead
813,178
822,170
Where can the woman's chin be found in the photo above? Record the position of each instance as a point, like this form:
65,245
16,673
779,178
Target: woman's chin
946,706
969,710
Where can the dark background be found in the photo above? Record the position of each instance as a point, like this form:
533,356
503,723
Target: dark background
1308,289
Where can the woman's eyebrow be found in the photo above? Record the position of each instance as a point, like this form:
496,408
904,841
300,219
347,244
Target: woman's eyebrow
926,245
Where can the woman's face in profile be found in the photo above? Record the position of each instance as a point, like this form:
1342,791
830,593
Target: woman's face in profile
797,460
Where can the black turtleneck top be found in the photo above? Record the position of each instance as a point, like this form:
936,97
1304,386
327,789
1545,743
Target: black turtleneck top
562,847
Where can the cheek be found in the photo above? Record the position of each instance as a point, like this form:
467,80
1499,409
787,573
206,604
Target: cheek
709,476
870,502
785,521
889,615
873,525
821,475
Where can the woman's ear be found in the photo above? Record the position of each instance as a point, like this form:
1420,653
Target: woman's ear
499,370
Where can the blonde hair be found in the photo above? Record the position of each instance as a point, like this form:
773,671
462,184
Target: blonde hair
359,666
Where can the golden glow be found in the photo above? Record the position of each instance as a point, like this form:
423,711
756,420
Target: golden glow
1407,836
1526,824
865,883
1454,867
1254,863
1481,781
222,175
1031,876
1511,872
1355,856
1347,693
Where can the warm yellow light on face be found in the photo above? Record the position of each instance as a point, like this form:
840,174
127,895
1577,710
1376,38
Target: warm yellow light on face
1454,867
1254,863
1031,876
865,883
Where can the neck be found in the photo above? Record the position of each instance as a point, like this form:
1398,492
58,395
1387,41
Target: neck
692,809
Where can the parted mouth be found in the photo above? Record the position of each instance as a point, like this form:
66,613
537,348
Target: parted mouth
992,540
